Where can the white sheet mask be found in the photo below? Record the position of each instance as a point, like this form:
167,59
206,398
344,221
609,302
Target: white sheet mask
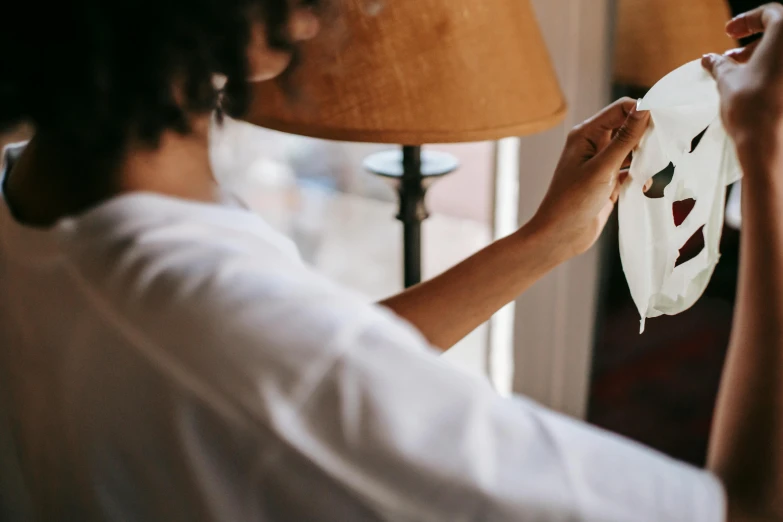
682,106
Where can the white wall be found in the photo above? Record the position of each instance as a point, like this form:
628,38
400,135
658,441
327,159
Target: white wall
554,322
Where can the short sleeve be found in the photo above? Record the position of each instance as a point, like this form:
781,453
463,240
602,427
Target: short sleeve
418,440
357,418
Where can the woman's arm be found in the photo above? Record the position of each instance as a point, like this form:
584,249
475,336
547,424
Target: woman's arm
747,443
571,218
447,308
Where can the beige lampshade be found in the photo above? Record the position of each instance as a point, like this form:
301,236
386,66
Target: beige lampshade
654,37
421,71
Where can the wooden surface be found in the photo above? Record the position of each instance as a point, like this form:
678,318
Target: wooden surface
654,37
420,71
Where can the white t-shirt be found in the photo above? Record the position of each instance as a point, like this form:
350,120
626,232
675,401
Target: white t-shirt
165,360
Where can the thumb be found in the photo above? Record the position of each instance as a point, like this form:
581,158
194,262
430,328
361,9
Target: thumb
624,142
718,65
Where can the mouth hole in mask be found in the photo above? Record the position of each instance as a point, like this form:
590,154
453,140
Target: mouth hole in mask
682,209
692,247
695,142
660,181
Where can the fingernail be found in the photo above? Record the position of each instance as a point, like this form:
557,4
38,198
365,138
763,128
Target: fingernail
729,25
635,114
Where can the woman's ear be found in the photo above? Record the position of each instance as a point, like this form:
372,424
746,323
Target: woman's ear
265,62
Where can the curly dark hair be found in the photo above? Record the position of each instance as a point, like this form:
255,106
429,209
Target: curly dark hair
98,73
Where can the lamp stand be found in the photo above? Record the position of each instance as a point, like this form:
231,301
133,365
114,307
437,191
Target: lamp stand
411,171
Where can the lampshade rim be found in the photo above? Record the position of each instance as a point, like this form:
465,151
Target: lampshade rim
414,137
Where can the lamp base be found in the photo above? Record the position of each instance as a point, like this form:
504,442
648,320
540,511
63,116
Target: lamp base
411,171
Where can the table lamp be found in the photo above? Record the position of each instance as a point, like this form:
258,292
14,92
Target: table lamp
416,72
654,37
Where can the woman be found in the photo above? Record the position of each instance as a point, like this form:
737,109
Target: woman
166,356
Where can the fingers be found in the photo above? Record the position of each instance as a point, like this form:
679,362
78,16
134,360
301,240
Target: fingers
626,140
607,210
621,179
742,54
767,19
605,213
754,22
613,116
718,66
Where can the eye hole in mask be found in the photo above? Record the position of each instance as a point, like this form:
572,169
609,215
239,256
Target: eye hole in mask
660,181
692,248
664,177
682,209
657,233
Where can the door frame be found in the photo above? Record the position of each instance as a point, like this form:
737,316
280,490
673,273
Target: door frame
555,320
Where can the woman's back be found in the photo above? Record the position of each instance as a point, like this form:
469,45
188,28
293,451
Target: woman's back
134,393
169,357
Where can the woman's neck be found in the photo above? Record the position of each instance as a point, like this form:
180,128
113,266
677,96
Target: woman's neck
49,182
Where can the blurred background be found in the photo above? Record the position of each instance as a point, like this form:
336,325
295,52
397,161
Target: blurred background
342,218
572,341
